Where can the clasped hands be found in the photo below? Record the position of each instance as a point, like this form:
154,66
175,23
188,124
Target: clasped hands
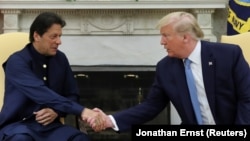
96,119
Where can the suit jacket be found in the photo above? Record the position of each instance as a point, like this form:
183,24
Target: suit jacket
27,91
226,77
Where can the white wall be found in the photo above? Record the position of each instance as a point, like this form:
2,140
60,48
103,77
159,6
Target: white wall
113,50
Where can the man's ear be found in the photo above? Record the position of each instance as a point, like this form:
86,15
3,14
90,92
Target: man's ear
36,36
185,38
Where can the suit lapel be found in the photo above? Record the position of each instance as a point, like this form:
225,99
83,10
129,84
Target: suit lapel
183,93
208,70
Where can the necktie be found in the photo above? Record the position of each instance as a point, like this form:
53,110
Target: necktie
192,90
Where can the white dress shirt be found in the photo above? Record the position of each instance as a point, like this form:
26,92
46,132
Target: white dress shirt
196,68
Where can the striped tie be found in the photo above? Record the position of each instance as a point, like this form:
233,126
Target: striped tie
192,90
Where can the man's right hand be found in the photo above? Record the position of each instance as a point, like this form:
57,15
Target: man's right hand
107,123
95,119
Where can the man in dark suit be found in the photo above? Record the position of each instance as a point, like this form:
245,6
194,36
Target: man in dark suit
221,74
40,88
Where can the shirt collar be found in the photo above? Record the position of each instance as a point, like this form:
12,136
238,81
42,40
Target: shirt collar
195,54
38,56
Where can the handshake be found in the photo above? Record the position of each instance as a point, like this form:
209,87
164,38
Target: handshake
96,119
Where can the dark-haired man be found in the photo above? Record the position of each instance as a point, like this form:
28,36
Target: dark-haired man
40,88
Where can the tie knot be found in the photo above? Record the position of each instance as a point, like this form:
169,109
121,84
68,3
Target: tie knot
187,62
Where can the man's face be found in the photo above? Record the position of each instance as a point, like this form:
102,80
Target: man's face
48,43
172,41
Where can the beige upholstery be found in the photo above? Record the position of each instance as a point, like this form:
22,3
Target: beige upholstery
9,43
242,39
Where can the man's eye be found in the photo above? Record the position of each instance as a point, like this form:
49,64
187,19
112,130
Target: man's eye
53,37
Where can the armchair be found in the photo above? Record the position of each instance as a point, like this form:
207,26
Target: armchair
242,40
9,43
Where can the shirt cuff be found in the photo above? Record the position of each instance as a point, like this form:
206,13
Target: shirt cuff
114,123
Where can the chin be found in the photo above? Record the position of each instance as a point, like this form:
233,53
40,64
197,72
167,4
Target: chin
52,54
170,55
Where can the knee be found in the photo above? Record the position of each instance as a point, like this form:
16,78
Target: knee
20,137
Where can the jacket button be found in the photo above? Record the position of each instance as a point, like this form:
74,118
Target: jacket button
44,66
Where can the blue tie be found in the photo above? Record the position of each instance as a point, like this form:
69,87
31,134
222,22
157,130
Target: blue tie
192,90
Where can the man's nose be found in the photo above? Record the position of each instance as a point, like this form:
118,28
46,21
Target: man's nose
58,40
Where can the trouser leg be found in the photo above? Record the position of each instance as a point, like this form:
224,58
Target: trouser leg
19,137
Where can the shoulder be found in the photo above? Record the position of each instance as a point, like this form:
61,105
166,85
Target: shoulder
220,47
218,44
21,54
222,52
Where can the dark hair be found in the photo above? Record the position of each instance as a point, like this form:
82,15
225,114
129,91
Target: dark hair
43,22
